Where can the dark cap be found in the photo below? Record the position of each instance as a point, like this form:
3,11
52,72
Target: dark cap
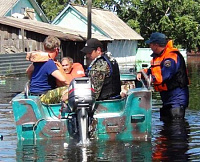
91,44
158,38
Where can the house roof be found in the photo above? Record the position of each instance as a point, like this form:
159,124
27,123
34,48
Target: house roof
7,5
110,23
49,29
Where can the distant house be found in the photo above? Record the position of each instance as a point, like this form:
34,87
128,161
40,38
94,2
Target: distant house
22,8
104,22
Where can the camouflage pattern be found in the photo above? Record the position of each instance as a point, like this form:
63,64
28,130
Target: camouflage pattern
54,96
99,70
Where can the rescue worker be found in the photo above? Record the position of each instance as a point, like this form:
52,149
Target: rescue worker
169,76
103,70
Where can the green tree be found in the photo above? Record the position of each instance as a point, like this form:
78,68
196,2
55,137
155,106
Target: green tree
178,19
52,7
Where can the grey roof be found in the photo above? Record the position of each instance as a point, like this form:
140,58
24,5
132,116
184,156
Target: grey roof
110,23
49,29
7,5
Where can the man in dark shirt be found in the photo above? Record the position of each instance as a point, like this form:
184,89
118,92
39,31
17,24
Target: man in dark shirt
103,70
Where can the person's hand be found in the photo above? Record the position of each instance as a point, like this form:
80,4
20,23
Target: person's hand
64,95
124,91
123,94
139,76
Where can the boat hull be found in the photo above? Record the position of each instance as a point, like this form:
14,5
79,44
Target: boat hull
125,119
121,119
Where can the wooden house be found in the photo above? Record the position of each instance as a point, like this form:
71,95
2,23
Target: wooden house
19,36
107,23
22,8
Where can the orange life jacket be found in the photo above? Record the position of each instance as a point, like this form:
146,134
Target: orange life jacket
169,52
77,71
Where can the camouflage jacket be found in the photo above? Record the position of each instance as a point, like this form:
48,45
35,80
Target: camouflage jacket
98,71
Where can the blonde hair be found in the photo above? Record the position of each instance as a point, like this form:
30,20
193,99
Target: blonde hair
51,42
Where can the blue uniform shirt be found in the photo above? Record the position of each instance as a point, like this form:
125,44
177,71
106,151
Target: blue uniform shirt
42,80
178,96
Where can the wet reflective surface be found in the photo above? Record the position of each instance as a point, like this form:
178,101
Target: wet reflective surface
11,86
175,141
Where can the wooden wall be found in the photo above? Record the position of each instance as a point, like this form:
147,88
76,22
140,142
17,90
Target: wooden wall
15,40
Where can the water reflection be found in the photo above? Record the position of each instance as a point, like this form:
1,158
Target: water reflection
172,144
10,86
194,87
124,151
8,132
41,150
55,150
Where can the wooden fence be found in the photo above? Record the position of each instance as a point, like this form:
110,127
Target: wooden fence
13,64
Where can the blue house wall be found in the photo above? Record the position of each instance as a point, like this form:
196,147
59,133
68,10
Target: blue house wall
20,8
70,18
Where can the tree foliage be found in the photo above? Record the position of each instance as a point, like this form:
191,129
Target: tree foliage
52,7
178,19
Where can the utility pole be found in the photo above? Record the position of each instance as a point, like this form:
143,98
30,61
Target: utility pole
89,18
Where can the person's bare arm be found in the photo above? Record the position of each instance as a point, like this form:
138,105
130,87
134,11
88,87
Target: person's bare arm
30,70
58,75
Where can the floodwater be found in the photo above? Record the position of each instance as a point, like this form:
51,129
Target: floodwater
177,141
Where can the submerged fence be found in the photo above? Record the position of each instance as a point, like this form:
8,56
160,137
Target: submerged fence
13,64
